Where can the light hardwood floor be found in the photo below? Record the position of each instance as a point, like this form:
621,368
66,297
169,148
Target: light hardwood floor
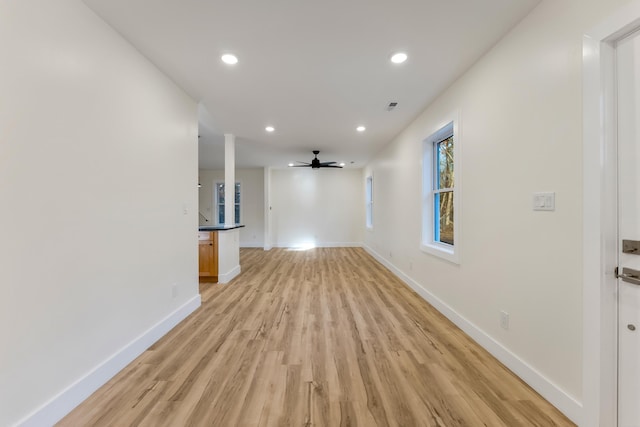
324,337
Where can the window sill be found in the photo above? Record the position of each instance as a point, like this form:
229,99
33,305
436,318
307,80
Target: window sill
446,252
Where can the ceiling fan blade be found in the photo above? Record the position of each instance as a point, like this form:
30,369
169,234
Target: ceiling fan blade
327,163
304,163
330,166
301,166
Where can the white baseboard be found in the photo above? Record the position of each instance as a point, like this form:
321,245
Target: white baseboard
319,245
566,403
230,275
60,405
251,245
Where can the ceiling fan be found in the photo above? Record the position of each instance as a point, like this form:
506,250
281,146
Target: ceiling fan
317,164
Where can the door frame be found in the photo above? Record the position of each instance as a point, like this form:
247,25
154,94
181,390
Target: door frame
600,223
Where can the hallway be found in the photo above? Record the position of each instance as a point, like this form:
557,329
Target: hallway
323,337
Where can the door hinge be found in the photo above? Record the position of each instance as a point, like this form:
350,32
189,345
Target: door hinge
616,273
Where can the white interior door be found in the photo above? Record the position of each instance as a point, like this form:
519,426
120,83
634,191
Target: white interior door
628,78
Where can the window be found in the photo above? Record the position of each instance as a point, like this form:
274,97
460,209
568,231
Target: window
369,201
219,196
443,191
440,193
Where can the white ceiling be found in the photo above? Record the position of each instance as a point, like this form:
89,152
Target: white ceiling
313,69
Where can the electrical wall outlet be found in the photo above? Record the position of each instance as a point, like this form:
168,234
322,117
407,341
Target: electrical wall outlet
504,320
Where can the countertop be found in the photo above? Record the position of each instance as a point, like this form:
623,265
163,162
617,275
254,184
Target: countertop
219,227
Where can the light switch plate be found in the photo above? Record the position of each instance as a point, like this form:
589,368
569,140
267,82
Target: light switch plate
544,201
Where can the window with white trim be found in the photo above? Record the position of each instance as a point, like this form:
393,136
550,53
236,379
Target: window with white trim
219,196
440,193
369,200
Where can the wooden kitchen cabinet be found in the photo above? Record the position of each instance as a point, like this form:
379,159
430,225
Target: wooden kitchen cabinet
208,255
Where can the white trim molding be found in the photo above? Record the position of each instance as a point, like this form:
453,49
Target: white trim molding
229,275
428,243
251,245
60,405
302,246
566,403
599,366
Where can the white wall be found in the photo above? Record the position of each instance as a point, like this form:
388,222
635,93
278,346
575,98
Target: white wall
98,160
251,202
323,207
520,110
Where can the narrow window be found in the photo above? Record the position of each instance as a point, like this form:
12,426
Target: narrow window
219,196
369,201
441,193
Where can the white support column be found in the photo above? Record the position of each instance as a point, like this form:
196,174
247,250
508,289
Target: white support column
229,178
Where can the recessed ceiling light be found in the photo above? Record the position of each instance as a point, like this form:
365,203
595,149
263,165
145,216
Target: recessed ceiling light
361,128
342,164
269,128
399,58
230,59
290,165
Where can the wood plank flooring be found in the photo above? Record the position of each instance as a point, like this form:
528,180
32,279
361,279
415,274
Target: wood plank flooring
324,337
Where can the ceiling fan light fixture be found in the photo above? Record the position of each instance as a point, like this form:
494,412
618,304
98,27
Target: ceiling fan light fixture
342,164
361,128
269,128
291,165
399,57
316,163
229,59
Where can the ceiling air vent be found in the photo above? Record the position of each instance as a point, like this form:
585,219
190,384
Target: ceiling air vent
391,106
